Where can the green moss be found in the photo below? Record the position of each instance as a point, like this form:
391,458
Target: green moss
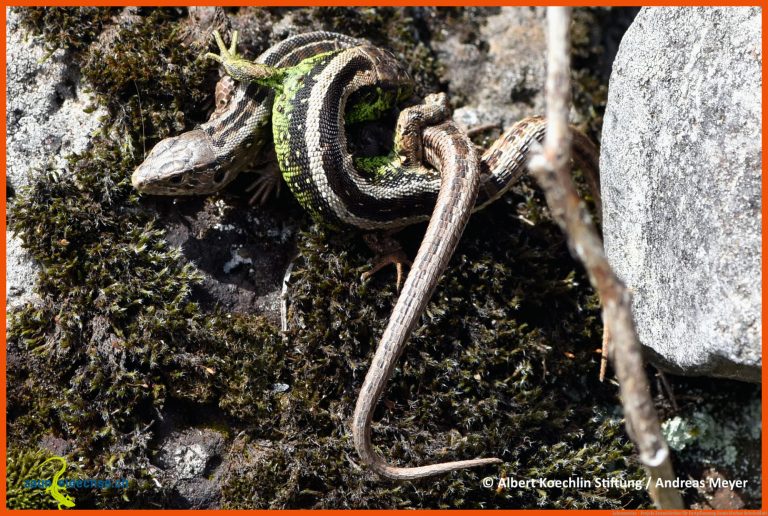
25,464
70,28
247,358
490,371
116,332
148,79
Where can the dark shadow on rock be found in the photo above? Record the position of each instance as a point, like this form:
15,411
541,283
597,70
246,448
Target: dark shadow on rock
241,250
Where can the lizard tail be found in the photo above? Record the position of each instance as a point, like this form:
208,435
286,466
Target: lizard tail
376,462
460,172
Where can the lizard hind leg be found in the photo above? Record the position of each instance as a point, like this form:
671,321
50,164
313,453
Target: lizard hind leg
411,124
388,252
241,69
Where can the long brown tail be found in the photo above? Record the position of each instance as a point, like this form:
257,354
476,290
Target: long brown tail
451,152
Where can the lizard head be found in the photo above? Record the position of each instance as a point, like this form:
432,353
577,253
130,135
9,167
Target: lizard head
183,165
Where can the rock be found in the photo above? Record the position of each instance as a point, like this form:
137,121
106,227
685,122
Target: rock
186,458
241,251
715,434
20,273
681,173
46,121
500,78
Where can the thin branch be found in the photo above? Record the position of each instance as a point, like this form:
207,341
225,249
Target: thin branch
551,169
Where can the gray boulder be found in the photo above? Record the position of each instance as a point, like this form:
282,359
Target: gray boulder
681,173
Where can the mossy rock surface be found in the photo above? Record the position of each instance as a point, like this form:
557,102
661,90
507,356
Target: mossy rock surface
130,326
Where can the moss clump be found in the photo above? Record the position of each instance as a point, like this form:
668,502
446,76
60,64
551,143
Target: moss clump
93,354
245,361
116,332
148,79
70,28
491,370
25,464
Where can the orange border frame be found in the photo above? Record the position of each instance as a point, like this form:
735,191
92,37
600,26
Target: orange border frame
295,3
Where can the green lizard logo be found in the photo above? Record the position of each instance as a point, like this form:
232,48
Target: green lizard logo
61,497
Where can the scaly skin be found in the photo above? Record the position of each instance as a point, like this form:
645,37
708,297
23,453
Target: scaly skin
310,141
207,158
454,154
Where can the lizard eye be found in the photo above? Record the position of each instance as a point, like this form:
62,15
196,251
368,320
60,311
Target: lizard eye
176,179
218,177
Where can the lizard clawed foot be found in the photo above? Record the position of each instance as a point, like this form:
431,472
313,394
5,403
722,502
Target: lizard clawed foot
398,259
225,53
264,186
388,252
239,68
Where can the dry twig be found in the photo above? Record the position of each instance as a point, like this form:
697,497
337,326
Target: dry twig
551,170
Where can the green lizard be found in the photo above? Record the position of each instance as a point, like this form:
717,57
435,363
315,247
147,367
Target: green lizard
313,102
